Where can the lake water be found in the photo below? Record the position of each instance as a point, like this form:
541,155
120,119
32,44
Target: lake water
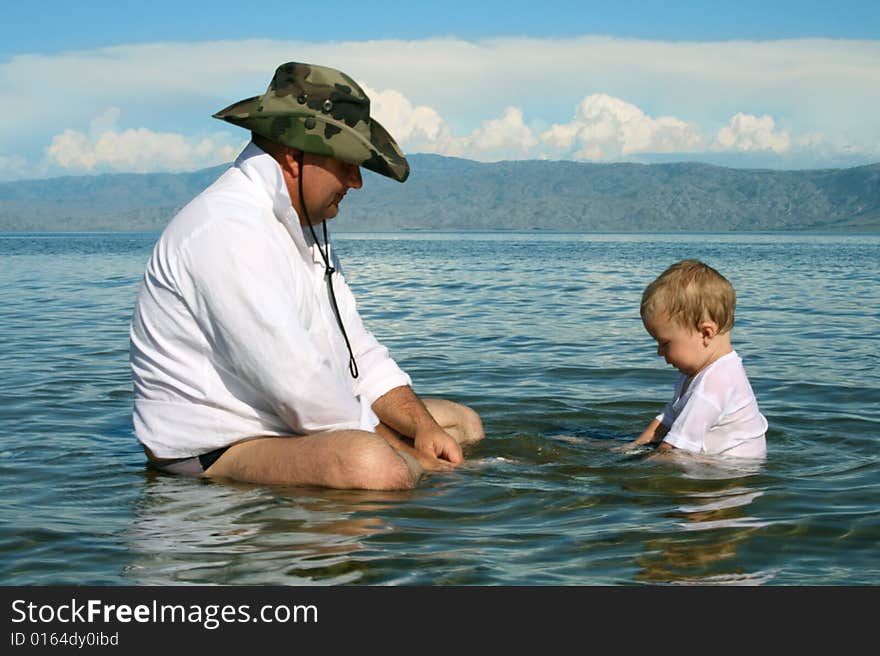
540,333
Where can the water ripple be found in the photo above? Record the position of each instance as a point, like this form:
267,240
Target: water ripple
541,334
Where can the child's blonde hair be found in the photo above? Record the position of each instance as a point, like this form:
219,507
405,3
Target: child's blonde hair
690,292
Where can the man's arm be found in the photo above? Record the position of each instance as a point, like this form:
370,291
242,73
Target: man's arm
403,411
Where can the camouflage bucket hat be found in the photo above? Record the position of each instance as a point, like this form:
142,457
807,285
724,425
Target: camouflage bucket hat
322,111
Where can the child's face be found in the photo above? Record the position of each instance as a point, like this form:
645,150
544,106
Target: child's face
685,348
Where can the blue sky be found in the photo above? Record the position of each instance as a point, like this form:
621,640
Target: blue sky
101,86
63,25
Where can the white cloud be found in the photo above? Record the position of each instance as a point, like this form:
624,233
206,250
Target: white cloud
483,99
417,127
815,149
819,145
606,128
12,167
507,134
746,132
104,122
422,129
106,148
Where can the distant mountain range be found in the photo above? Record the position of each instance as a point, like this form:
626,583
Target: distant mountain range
445,193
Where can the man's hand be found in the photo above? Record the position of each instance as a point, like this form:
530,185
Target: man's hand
426,459
405,417
436,442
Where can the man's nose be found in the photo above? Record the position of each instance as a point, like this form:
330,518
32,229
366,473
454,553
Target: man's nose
354,179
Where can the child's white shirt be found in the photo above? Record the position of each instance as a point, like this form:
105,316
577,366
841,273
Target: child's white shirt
717,414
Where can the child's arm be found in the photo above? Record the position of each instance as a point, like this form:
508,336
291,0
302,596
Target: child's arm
655,432
651,435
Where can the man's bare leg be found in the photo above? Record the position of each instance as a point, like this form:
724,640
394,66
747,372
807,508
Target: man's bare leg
456,419
346,459
343,459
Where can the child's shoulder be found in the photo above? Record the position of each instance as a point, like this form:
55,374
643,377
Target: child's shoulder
726,373
726,363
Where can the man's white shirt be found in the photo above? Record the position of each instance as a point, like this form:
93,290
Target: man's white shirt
233,335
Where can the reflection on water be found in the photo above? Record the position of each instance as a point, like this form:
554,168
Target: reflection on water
705,502
712,522
193,531
538,332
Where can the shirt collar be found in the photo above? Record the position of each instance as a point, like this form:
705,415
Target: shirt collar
262,169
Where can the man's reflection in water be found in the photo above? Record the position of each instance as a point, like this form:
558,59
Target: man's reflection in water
195,531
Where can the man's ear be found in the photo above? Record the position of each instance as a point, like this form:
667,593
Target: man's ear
291,161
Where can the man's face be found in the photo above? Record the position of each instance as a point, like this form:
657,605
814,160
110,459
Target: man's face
325,182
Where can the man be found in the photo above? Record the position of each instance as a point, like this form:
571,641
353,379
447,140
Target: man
248,355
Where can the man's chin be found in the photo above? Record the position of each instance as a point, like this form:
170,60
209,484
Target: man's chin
328,214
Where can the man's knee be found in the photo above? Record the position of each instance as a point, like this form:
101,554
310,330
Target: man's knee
374,465
460,421
471,425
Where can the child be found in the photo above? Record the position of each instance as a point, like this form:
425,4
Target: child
689,311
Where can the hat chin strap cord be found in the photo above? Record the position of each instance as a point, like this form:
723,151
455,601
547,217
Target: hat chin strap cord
328,272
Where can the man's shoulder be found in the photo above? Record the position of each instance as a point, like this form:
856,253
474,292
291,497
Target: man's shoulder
232,187
205,230
230,196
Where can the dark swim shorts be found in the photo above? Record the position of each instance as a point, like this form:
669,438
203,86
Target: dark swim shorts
194,466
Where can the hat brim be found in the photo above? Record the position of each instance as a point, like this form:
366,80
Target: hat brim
321,134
